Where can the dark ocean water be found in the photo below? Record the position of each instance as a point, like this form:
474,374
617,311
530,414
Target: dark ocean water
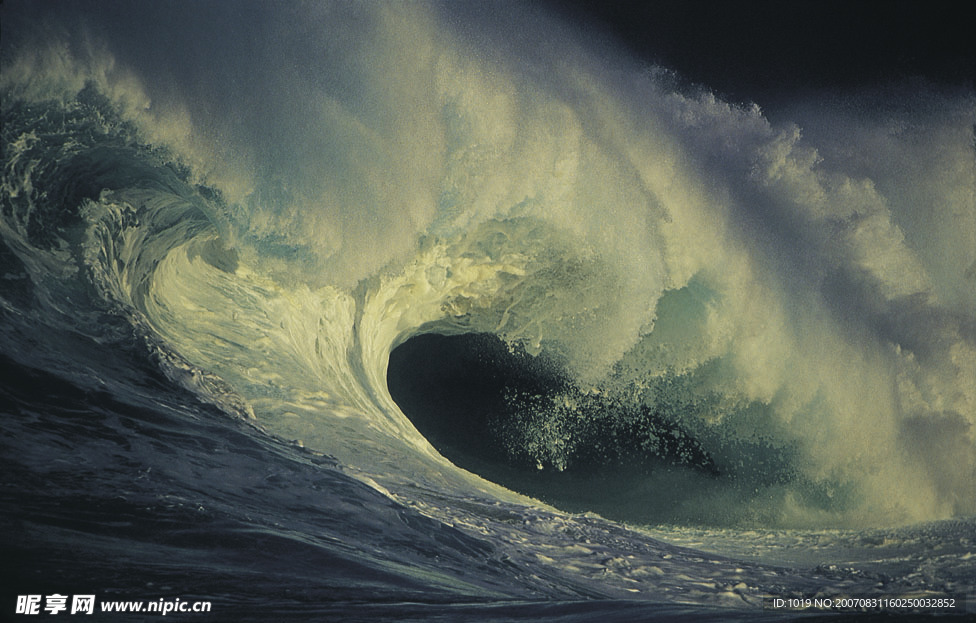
466,312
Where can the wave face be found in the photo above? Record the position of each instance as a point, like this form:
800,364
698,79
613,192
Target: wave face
450,284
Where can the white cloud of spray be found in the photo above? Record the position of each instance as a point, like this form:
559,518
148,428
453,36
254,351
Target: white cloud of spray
842,262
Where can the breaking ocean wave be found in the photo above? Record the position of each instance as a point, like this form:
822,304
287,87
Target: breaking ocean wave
362,313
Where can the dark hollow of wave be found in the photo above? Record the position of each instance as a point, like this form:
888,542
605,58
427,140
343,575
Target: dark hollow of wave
518,420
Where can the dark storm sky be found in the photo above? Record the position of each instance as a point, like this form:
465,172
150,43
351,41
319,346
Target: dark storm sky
758,48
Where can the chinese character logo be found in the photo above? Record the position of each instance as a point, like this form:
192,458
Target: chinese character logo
28,604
